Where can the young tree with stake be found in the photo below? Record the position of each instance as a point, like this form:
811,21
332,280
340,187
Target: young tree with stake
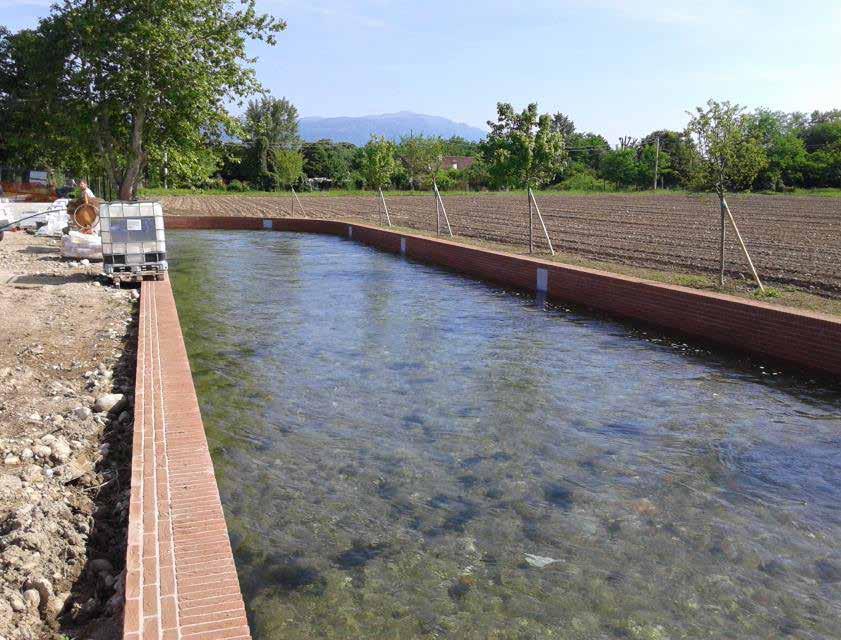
729,156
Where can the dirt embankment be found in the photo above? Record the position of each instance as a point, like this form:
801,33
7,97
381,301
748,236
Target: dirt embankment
67,346
793,240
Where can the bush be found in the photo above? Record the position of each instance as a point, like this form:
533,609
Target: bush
237,186
585,182
212,184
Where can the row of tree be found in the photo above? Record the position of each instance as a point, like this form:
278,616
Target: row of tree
137,93
778,151
270,155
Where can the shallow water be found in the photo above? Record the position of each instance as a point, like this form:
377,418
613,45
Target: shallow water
401,451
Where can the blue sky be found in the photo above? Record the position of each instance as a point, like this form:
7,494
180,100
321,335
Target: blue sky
619,67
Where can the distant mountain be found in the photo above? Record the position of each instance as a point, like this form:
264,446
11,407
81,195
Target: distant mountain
358,130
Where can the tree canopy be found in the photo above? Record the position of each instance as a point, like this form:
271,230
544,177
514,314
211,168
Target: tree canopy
124,81
378,164
523,149
729,152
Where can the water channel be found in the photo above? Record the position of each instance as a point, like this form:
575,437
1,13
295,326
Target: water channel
403,452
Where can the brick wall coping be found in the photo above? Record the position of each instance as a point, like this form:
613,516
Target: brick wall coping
181,581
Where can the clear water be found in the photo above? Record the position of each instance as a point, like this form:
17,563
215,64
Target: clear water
392,441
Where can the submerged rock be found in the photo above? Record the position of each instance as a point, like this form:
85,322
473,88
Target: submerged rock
461,586
828,571
559,495
539,561
359,555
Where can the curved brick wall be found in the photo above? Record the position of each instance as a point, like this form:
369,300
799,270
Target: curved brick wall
181,580
800,338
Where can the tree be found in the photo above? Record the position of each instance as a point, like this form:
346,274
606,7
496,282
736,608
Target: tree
275,119
378,164
522,149
620,167
651,161
328,159
35,131
586,152
678,149
133,79
729,156
420,156
563,124
286,165
458,146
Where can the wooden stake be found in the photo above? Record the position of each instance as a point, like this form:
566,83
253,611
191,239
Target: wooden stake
385,208
744,247
532,200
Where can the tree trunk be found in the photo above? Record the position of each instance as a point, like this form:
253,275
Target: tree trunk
136,159
723,236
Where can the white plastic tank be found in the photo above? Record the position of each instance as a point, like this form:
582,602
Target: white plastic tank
133,240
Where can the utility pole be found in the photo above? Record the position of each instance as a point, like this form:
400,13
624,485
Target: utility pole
656,162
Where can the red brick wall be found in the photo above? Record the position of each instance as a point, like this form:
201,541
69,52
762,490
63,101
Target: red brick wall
181,581
800,338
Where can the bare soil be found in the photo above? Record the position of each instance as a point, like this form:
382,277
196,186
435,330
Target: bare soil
66,340
795,241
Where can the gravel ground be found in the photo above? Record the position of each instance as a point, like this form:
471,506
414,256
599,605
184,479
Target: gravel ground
67,345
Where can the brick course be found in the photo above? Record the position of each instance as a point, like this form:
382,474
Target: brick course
181,581
800,338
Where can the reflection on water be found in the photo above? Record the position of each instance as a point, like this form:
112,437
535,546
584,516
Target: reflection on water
405,453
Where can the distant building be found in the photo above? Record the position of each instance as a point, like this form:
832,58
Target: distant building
456,162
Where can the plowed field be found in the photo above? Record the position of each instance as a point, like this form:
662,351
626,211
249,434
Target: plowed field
793,240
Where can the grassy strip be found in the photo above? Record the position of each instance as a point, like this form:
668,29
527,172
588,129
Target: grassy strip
784,295
339,193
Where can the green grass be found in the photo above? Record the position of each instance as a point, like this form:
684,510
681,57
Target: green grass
770,292
337,193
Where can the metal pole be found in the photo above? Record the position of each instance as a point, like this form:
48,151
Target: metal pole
744,247
723,238
542,223
385,208
531,223
656,163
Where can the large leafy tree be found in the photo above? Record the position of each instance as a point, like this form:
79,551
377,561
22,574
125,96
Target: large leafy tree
676,154
523,149
621,167
420,156
378,165
328,159
729,157
729,153
128,80
271,135
275,119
